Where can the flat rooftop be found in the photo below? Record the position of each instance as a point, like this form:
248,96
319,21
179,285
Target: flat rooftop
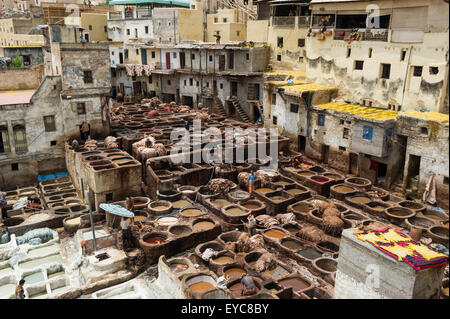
361,111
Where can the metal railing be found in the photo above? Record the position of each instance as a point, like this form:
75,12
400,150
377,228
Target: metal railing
304,21
283,21
115,16
377,35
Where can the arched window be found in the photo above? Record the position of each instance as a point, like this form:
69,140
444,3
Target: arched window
5,147
20,138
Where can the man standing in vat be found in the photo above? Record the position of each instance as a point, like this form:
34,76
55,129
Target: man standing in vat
20,293
249,285
3,205
251,181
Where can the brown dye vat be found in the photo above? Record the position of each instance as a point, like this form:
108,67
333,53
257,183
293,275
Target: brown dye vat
391,202
138,218
219,203
123,160
344,189
282,183
327,265
361,199
236,211
277,198
378,208
297,284
223,260
201,286
251,206
291,244
310,253
264,190
191,212
237,289
180,204
203,225
160,207
294,191
155,240
234,273
306,173
273,233
399,213
302,209
292,229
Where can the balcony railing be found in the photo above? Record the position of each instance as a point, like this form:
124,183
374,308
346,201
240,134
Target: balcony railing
377,35
115,16
284,21
304,21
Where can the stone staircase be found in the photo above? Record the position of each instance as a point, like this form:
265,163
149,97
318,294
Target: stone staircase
237,106
217,106
259,106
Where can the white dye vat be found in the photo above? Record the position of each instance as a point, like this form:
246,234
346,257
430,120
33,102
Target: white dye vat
87,235
46,250
7,290
38,218
33,263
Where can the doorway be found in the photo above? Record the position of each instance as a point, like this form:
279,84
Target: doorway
233,89
413,172
221,62
231,60
353,164
144,56
168,60
120,57
325,152
301,143
381,174
182,60
187,100
256,91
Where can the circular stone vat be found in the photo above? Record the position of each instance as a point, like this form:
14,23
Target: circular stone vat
62,211
234,271
191,212
439,234
419,222
93,158
325,265
376,207
170,195
237,288
398,213
178,267
223,258
235,210
36,218
328,246
359,183
201,284
231,236
252,258
154,238
302,208
180,230
13,221
291,244
140,202
73,202
292,228
238,195
220,202
417,207
298,284
188,190
167,221
435,215
180,204
252,205
343,189
202,225
160,207
275,234
310,253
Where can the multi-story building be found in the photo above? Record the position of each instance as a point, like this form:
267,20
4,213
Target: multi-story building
391,54
36,123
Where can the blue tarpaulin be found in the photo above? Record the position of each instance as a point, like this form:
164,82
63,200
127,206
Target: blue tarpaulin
51,176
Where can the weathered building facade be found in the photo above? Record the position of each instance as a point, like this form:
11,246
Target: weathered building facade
391,54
